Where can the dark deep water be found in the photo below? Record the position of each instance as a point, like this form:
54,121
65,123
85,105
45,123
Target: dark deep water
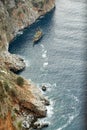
58,61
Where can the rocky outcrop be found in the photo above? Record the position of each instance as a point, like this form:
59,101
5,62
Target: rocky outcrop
17,95
38,125
12,61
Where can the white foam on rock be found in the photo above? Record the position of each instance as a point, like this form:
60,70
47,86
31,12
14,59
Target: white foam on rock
27,63
50,109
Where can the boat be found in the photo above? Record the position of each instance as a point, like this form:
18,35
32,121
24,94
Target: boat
38,35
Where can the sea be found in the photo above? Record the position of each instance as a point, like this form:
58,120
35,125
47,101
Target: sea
59,62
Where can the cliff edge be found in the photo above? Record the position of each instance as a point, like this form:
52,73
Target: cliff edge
18,97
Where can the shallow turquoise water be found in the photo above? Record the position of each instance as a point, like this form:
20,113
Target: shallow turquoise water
58,61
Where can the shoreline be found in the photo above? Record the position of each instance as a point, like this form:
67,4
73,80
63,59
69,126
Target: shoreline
19,95
25,28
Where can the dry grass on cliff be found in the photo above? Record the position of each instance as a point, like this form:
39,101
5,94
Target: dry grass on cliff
6,124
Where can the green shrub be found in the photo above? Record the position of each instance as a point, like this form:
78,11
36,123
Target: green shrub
20,81
13,115
13,93
19,124
19,13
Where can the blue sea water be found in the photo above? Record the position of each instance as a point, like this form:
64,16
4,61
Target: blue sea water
58,61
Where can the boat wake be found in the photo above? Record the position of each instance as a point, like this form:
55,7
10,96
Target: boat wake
44,52
45,64
44,56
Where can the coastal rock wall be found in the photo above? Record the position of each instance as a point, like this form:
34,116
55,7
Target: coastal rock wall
14,16
17,95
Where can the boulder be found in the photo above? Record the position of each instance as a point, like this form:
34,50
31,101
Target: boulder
39,125
44,88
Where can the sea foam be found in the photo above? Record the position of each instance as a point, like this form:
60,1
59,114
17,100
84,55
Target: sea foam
71,118
50,109
45,64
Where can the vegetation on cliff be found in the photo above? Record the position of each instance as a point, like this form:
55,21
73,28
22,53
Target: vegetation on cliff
18,97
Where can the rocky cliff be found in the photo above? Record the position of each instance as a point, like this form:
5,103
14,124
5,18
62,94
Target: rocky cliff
18,97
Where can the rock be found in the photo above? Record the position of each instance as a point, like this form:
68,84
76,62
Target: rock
12,61
25,124
44,88
39,125
14,16
47,102
34,105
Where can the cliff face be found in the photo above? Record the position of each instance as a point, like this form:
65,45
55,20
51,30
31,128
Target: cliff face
17,14
14,16
17,95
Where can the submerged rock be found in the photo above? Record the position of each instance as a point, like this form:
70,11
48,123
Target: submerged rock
44,88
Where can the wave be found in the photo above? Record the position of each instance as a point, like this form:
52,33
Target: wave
42,45
19,33
26,61
50,112
71,118
42,16
50,109
44,55
45,64
75,98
